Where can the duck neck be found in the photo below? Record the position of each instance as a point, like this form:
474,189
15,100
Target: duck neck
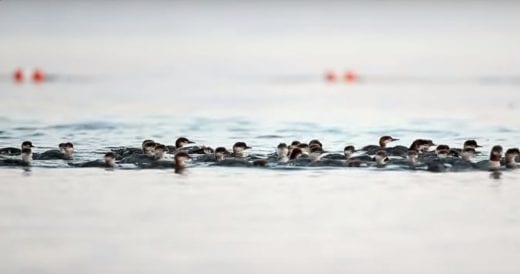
219,156
467,156
382,144
510,160
27,158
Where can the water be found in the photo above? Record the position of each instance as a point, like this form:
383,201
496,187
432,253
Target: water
93,138
219,220
221,73
258,221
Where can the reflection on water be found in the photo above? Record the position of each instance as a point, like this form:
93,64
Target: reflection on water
181,170
495,174
26,171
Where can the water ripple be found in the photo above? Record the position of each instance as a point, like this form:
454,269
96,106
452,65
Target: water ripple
93,137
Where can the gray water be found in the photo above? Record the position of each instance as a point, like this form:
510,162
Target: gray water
258,222
225,72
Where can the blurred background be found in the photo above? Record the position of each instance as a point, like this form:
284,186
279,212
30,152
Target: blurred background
370,62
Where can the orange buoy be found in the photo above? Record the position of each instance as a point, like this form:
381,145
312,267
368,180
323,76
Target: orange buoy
38,75
350,76
330,76
18,75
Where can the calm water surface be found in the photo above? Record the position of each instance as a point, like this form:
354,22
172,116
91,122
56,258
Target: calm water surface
254,72
237,221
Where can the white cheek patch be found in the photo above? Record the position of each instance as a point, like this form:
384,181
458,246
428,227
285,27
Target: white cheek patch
424,147
69,151
181,161
467,154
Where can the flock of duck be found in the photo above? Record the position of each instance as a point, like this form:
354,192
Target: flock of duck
419,155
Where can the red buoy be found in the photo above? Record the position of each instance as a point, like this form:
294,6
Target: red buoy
330,76
350,76
18,75
38,76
